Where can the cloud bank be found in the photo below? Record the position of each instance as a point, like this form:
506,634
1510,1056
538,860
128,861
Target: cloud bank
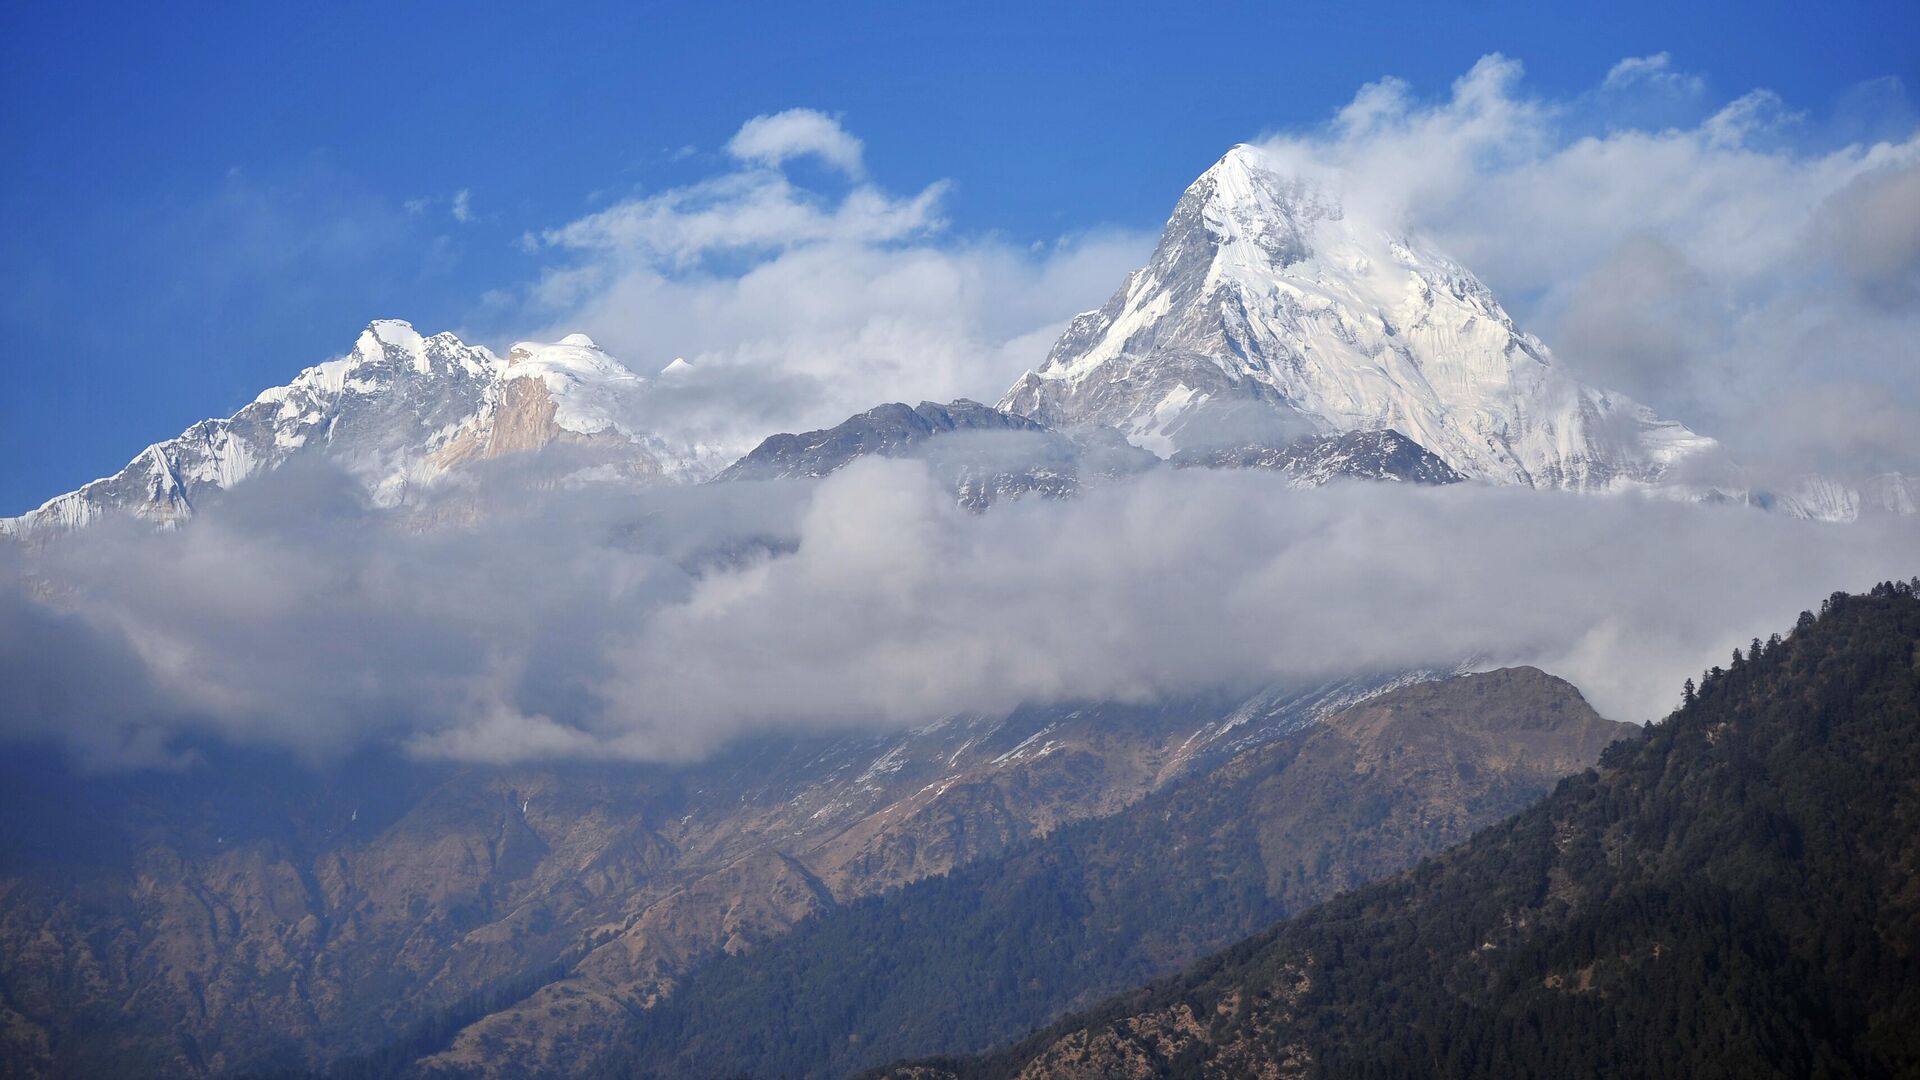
662,627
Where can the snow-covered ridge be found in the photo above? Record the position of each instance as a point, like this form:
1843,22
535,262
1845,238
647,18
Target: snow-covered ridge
401,411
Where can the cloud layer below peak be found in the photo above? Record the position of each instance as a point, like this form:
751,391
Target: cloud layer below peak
663,627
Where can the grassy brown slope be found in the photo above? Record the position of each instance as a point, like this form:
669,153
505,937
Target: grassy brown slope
986,953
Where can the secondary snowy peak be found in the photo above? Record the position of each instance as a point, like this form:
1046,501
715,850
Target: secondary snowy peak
591,391
401,412
1268,312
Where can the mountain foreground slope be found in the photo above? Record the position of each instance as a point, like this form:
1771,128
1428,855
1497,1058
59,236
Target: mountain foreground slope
1737,894
989,951
255,913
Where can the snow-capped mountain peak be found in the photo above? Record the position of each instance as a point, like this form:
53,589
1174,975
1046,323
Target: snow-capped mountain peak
400,411
1269,311
591,390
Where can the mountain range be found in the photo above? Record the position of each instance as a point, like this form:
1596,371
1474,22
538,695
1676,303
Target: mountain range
1268,315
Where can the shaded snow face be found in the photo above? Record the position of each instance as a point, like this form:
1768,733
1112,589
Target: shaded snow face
663,625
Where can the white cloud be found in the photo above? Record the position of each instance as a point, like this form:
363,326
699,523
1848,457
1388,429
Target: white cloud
1871,228
750,212
1750,114
776,138
896,608
798,307
1656,71
662,626
1737,274
462,206
809,336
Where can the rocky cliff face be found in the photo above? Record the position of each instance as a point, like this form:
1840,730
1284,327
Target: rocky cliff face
1313,460
985,455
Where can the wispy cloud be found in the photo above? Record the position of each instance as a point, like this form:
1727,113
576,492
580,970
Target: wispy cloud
1657,71
776,138
799,306
753,211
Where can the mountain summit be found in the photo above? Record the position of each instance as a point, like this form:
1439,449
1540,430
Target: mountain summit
1268,311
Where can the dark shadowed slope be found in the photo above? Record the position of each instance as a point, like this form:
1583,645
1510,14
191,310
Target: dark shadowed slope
988,952
1735,895
255,913
982,453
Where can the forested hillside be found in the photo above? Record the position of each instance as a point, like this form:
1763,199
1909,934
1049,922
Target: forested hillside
1735,895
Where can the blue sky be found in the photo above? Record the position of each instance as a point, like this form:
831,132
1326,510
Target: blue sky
198,203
